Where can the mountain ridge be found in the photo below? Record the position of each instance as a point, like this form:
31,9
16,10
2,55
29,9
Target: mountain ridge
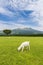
26,31
23,31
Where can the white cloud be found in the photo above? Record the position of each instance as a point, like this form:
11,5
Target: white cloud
3,3
36,6
40,28
22,4
38,14
10,25
40,10
6,12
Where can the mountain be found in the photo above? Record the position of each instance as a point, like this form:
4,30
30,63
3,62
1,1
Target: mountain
1,32
23,31
26,31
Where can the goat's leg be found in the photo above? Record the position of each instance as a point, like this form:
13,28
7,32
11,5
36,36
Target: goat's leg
22,48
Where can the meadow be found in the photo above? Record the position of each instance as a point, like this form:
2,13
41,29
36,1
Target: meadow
10,56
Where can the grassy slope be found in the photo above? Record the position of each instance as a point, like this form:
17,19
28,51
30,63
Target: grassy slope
10,56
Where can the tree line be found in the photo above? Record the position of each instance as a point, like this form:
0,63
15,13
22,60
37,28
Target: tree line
7,32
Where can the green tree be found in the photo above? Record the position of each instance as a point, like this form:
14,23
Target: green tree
7,31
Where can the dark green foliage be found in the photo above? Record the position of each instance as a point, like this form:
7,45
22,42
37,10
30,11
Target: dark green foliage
7,31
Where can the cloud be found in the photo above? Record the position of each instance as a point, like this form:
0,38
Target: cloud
12,9
6,12
40,11
4,3
10,25
13,25
16,5
22,4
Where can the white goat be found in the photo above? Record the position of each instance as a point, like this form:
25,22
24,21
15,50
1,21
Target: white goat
24,44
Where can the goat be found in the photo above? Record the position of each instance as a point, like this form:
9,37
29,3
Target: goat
24,44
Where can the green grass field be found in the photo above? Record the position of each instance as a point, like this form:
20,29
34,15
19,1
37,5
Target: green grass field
10,56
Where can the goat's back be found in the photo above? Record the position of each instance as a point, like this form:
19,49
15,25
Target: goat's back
25,43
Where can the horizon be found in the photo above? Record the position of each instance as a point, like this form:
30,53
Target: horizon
21,14
23,29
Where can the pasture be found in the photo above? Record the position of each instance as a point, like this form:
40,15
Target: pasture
10,56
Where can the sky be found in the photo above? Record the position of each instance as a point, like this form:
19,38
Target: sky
21,14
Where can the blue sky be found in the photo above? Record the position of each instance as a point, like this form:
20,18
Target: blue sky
21,14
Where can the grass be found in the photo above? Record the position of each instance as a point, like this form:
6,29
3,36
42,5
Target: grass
10,56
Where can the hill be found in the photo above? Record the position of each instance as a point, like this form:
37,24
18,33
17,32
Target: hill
26,31
23,31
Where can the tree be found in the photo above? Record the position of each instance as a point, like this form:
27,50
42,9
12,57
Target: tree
7,31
